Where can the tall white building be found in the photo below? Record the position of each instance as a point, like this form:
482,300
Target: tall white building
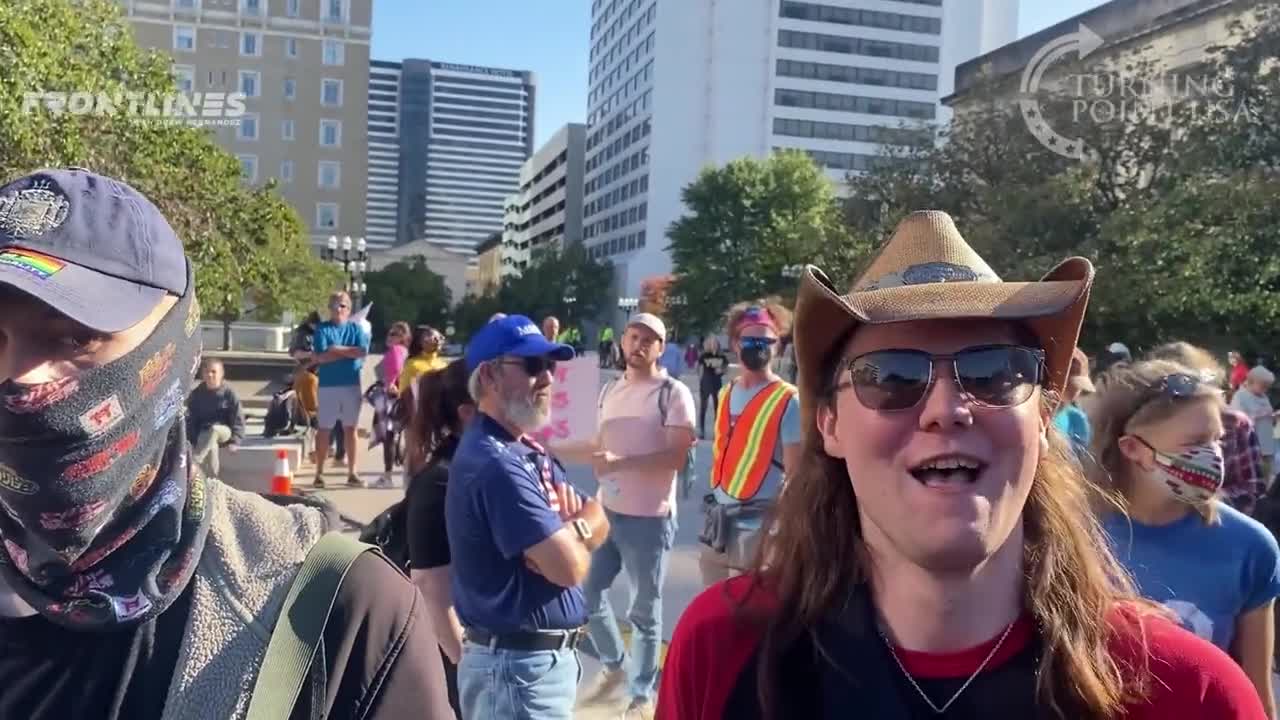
382,194
479,133
548,209
677,85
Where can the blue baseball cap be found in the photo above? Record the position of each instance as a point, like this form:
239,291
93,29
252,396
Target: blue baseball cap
512,335
91,247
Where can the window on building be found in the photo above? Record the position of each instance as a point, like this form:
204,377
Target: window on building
251,44
330,174
291,47
331,92
184,38
290,89
185,77
286,171
330,133
186,4
250,83
333,52
293,8
334,10
326,216
251,7
249,168
287,131
248,127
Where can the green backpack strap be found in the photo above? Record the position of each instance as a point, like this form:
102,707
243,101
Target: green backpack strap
301,624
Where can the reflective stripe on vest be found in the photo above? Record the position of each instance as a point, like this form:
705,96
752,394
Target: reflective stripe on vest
743,451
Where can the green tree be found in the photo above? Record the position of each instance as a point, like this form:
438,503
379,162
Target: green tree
248,246
407,290
744,223
1172,209
566,283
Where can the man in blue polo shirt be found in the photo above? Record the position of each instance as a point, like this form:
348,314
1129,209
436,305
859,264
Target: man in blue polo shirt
521,537
340,349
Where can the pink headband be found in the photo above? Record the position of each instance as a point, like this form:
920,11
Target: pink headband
756,316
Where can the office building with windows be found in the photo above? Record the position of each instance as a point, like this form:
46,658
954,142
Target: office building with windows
463,133
547,212
303,66
382,198
677,85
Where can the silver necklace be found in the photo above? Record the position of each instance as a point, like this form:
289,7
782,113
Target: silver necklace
965,686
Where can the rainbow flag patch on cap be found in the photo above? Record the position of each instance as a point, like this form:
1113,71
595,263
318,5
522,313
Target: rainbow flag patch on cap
38,264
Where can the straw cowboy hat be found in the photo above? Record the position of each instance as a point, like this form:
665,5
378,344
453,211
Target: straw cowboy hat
927,271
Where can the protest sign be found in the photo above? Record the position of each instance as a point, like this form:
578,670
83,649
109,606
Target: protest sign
574,392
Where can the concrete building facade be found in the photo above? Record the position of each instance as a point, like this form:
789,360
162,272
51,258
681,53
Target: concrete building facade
547,212
382,198
304,68
677,85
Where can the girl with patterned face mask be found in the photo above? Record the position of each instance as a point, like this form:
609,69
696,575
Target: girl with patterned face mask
1158,446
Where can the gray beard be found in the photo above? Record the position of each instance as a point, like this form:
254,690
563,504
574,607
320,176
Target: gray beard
524,413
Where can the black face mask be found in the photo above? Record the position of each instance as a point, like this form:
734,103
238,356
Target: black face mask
103,517
756,357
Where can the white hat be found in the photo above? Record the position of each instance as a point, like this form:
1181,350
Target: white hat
651,321
1118,348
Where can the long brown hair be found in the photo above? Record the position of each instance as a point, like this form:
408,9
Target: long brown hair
1125,400
1073,582
436,418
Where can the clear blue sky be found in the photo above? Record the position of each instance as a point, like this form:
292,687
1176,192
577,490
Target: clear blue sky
550,37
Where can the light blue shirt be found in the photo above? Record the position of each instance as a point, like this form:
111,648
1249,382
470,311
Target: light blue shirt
1209,575
788,434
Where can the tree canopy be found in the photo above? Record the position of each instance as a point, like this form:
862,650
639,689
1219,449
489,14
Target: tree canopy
407,290
248,246
744,224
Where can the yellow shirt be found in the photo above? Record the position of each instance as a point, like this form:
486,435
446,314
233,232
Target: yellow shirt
416,367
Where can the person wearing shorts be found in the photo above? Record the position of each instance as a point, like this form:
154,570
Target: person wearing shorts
340,349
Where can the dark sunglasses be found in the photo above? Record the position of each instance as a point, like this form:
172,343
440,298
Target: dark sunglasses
994,376
758,341
535,365
1174,387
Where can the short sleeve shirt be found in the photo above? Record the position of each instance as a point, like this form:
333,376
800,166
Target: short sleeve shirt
631,424
497,506
344,372
1207,574
788,434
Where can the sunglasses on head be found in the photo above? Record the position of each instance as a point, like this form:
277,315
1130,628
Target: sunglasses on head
993,376
534,365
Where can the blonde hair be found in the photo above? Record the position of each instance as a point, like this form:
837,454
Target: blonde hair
1073,582
780,313
1129,397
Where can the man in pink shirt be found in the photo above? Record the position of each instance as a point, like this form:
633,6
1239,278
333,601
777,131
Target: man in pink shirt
646,430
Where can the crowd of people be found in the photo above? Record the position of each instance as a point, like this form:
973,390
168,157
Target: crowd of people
920,503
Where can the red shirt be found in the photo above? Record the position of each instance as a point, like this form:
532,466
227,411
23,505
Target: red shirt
1193,679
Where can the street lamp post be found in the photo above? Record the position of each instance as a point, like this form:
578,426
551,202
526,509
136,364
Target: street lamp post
628,305
353,258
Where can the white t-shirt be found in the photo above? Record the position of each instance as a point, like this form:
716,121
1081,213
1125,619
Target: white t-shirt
1259,410
631,424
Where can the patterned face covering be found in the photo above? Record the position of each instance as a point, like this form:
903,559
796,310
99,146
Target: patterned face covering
103,516
1193,475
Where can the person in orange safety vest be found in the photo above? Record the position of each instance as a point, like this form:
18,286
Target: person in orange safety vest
757,441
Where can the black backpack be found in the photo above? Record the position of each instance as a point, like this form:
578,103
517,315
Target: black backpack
389,532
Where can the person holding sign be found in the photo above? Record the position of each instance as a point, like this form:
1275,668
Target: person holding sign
646,430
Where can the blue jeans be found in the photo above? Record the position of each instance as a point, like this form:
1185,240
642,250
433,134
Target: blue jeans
641,546
497,684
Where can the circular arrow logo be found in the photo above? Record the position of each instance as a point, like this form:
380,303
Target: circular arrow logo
1082,42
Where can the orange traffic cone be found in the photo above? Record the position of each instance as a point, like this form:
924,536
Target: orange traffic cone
282,480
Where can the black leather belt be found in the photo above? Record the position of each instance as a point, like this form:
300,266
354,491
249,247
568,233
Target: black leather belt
528,640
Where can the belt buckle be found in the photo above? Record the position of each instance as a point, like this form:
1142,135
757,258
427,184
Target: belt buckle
571,639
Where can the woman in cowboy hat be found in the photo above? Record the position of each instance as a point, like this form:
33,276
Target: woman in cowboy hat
935,554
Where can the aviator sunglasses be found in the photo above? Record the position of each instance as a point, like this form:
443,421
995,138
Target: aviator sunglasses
993,376
534,365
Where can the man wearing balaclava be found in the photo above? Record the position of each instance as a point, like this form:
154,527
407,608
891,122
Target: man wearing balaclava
757,441
131,585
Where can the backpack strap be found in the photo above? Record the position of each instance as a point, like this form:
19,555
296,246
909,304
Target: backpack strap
664,398
300,626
